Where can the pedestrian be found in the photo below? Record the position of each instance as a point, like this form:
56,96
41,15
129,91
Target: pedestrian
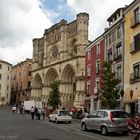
23,109
43,112
32,112
14,109
36,112
39,113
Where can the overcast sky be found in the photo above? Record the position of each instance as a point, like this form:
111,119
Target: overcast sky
23,20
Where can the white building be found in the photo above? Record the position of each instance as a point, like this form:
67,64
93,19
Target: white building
5,82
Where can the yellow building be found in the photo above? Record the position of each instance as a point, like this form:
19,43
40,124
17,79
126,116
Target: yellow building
132,57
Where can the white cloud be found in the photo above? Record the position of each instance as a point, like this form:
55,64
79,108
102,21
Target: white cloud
21,21
99,11
17,54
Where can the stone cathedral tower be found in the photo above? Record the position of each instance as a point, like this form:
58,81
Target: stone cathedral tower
60,55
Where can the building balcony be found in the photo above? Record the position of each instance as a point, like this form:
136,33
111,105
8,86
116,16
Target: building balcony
135,21
117,56
134,48
134,77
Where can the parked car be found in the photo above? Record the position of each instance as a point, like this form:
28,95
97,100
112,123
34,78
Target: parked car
60,116
106,120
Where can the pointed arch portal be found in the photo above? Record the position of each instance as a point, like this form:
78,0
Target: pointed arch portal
68,85
37,86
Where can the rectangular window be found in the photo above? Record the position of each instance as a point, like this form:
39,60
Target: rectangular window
113,36
119,49
97,49
0,66
119,32
88,88
137,42
118,52
136,15
119,76
109,39
106,41
136,68
0,86
88,70
97,66
109,55
89,54
97,84
0,76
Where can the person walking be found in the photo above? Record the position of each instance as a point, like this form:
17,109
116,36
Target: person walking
36,112
32,112
39,113
43,112
14,109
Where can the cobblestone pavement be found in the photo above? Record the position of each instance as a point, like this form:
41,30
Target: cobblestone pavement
21,127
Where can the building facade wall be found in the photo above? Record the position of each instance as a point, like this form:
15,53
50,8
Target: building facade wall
5,82
94,61
114,48
21,81
132,58
59,55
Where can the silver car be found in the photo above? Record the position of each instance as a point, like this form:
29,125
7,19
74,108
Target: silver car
106,120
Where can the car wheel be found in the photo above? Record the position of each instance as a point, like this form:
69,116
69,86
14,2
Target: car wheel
83,127
104,130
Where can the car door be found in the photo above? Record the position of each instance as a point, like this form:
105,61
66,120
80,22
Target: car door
99,120
54,115
90,121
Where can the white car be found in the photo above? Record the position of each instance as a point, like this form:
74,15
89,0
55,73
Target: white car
60,116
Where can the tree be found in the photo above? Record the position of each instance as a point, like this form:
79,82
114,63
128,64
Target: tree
109,91
54,96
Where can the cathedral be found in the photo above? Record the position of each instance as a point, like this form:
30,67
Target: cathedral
60,55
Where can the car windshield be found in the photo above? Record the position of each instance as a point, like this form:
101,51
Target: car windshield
120,114
65,113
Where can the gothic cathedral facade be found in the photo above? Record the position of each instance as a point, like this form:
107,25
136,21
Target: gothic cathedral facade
60,55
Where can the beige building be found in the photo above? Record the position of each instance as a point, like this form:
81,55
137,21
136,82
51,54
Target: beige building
21,81
114,47
60,55
5,82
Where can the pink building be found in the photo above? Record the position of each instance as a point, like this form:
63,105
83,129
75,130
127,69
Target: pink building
93,62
